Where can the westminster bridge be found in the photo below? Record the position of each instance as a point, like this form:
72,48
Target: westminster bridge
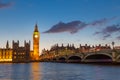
75,57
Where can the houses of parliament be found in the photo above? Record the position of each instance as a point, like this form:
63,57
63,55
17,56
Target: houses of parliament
21,53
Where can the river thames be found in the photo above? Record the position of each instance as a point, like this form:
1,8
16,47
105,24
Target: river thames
58,71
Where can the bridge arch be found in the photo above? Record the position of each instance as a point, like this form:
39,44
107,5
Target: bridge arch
61,58
98,57
54,59
74,59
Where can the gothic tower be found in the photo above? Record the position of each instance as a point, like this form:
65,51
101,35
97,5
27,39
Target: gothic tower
7,45
36,36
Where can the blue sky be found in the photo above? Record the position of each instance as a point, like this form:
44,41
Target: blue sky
101,19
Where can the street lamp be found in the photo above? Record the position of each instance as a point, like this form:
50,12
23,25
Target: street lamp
113,43
113,52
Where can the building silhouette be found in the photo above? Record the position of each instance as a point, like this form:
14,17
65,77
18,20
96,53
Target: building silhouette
21,53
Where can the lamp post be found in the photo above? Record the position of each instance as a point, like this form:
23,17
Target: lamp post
113,52
113,43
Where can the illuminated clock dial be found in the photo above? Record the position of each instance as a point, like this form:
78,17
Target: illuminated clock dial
36,36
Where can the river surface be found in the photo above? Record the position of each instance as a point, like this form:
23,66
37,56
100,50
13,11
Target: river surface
58,71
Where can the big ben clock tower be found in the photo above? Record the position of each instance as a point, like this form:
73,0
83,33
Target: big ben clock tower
36,36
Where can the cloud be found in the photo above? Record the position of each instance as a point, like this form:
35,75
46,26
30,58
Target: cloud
106,36
75,26
96,33
5,5
71,27
102,21
109,30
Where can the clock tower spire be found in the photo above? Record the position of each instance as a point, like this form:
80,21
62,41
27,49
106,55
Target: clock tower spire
36,37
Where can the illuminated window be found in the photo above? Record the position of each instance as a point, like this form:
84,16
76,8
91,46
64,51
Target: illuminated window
14,57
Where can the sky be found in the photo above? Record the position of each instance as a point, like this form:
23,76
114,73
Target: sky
76,22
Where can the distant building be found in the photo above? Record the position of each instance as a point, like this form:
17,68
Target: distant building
6,53
21,53
101,48
117,47
84,49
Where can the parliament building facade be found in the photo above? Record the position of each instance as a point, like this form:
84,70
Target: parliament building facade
21,53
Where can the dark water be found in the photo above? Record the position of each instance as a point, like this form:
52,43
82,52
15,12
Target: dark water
58,71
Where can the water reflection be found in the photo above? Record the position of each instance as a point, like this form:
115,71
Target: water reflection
58,71
35,71
30,71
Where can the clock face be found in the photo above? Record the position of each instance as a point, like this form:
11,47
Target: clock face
36,36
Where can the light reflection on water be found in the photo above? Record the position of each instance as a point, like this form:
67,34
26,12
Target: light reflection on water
58,71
